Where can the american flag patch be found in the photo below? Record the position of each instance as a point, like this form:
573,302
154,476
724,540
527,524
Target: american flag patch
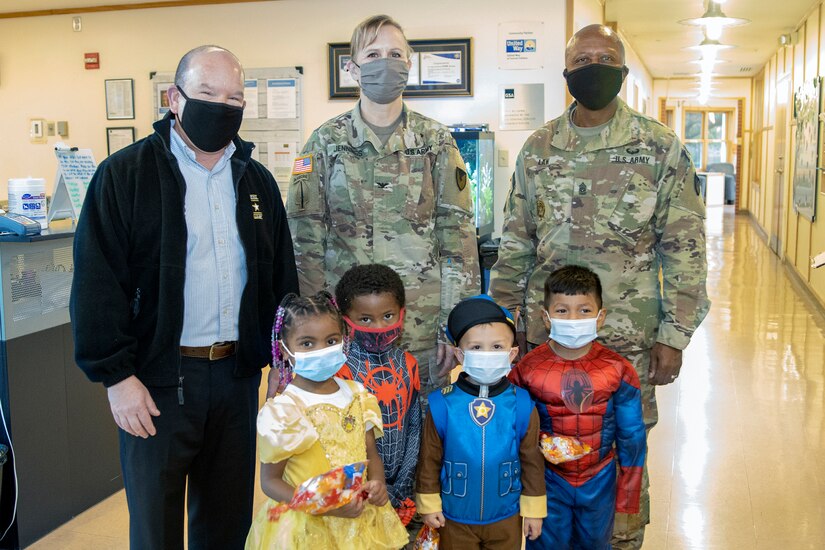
302,165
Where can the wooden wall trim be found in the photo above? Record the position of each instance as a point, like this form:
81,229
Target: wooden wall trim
119,7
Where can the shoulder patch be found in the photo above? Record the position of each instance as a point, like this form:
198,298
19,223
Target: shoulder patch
460,178
302,165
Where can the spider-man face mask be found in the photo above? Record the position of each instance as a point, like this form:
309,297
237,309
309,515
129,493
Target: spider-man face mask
376,340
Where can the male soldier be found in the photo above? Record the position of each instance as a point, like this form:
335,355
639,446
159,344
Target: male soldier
611,189
383,184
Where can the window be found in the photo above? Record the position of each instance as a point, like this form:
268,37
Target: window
707,136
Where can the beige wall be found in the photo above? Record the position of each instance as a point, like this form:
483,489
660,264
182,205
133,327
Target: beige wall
638,87
42,74
771,196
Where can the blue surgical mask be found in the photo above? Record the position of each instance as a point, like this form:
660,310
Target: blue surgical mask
318,365
573,333
487,367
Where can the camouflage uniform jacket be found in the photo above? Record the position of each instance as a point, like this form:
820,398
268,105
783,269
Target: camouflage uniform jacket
406,205
624,203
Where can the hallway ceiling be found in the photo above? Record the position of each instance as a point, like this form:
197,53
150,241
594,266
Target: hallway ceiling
652,27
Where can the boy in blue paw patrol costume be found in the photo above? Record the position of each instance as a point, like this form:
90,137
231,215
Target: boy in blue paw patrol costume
480,470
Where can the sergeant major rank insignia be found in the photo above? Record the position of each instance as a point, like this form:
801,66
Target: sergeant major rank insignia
481,410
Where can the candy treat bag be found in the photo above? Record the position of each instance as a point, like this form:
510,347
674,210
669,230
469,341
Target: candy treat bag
427,539
325,492
560,448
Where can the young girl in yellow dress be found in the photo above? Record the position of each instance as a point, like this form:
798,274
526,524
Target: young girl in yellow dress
318,423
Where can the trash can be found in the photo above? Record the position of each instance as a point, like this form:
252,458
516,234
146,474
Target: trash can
487,256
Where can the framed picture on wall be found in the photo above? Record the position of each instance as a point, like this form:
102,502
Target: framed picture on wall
120,99
118,138
439,68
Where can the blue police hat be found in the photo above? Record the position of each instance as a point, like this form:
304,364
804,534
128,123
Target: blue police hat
478,310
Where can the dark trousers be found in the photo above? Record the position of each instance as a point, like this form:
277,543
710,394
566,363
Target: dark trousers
209,441
501,535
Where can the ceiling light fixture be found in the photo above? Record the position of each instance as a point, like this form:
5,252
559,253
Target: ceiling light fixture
714,18
709,48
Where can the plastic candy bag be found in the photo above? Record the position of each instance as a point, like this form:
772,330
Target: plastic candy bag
427,539
561,448
325,492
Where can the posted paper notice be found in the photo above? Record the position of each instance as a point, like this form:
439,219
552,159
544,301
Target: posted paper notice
250,95
520,45
281,98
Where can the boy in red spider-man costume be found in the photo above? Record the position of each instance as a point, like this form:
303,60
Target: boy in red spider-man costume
587,391
371,298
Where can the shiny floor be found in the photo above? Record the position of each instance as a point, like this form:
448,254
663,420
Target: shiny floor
735,460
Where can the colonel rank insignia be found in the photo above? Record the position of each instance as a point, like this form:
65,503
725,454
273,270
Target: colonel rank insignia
481,410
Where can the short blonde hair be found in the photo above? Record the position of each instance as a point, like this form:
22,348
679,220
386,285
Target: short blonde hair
367,31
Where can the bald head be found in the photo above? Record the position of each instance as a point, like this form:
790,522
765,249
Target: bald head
189,63
594,44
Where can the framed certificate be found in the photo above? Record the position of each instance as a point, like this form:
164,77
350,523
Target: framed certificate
118,138
120,99
439,68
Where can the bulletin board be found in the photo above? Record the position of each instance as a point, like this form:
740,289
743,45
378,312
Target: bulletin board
273,117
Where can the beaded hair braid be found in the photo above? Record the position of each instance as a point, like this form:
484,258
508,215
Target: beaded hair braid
291,308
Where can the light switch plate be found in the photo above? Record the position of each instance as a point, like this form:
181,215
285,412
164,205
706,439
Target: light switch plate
503,158
62,128
50,128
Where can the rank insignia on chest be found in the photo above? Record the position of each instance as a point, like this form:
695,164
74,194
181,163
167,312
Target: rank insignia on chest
460,179
481,410
540,209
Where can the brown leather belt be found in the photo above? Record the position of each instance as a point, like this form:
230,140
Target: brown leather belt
216,351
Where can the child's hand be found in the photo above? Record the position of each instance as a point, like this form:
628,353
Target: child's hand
350,510
377,492
435,520
532,528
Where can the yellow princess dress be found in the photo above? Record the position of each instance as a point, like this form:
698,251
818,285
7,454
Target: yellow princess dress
315,438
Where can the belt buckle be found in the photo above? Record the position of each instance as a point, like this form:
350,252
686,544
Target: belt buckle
212,351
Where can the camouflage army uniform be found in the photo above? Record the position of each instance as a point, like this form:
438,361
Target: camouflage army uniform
406,205
624,203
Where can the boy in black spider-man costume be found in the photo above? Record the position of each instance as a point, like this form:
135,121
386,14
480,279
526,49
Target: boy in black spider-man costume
589,392
371,298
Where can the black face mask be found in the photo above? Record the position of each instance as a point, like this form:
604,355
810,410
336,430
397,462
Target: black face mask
594,86
210,125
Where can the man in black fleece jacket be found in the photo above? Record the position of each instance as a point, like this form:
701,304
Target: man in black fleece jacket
181,255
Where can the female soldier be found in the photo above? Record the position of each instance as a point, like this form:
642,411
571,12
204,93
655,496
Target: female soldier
384,184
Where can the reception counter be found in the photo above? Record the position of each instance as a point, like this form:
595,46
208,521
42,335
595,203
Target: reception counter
64,439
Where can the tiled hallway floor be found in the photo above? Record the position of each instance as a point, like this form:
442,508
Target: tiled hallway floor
737,461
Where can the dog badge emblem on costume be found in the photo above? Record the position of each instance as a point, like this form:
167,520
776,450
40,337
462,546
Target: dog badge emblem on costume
481,411
576,390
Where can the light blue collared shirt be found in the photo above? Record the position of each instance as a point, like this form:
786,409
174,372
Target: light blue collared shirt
215,258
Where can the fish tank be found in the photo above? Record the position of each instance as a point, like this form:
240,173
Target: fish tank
477,148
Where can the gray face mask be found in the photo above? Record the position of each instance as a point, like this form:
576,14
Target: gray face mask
383,80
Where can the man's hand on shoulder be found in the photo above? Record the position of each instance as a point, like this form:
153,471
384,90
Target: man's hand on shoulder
665,364
133,407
